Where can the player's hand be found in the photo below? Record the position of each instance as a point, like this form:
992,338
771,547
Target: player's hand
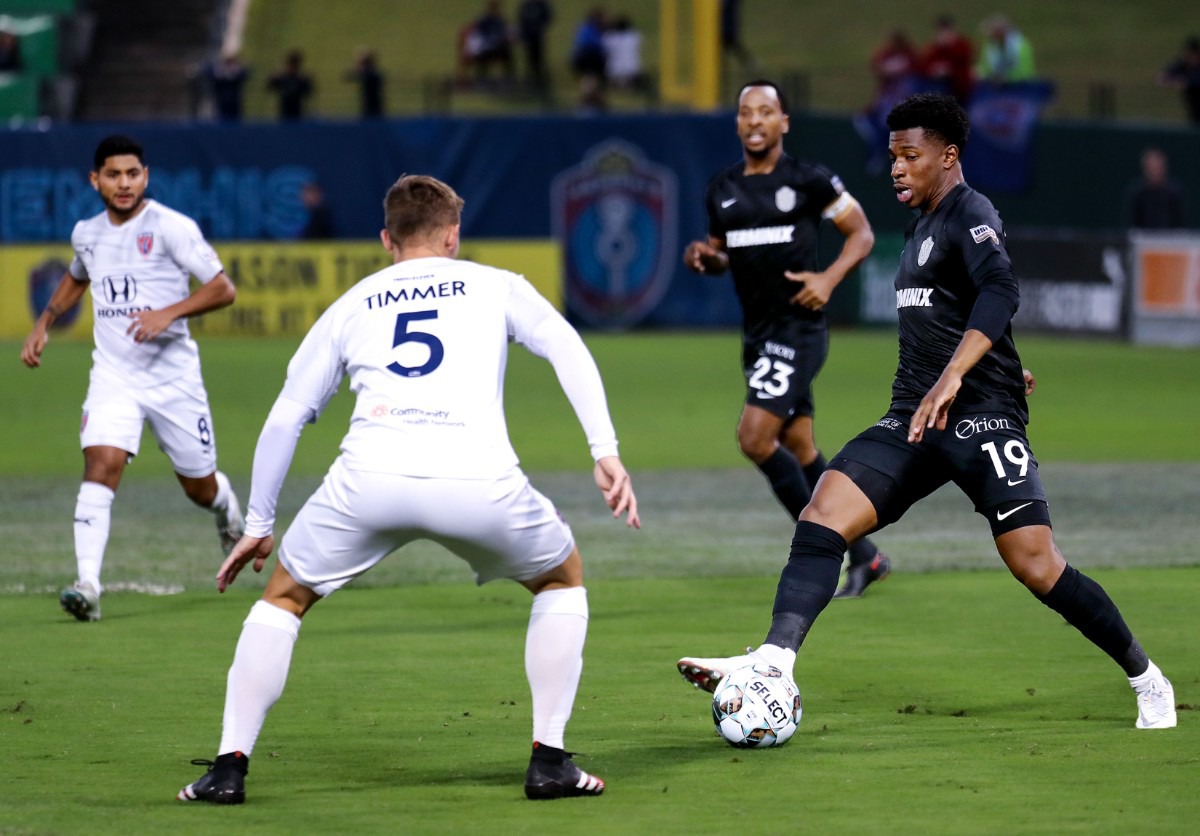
248,548
1030,381
147,325
816,289
35,343
935,407
615,484
702,256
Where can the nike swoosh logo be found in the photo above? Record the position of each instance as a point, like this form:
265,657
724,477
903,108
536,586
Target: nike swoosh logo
1011,482
1001,516
725,204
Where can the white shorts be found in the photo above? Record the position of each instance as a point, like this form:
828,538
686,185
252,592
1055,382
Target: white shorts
502,527
177,413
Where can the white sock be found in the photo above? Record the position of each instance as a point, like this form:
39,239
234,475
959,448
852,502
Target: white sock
1140,681
780,657
554,659
258,674
93,517
220,503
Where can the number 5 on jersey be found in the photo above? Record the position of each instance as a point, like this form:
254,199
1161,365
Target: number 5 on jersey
402,336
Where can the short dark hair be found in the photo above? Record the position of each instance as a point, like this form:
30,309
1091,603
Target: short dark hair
762,82
116,145
417,204
937,113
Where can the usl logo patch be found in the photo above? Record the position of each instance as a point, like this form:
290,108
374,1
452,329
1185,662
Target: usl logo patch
145,242
983,232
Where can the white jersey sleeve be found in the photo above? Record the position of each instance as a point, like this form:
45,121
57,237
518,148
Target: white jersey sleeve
272,458
535,324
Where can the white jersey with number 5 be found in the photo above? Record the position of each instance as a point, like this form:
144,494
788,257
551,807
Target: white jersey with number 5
425,343
142,264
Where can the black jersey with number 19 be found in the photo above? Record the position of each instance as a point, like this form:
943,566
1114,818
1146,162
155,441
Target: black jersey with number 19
951,255
769,223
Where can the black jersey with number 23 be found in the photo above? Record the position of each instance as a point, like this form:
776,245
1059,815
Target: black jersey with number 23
769,223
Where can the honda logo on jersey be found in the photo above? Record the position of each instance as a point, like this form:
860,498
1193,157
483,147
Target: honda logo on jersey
145,242
119,290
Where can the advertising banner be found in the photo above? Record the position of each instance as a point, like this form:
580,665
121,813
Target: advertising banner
282,288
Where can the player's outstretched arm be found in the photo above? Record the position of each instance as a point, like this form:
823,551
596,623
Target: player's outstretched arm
248,548
935,406
219,292
617,487
65,296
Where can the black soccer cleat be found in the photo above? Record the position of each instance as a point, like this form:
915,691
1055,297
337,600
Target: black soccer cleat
224,783
551,774
858,578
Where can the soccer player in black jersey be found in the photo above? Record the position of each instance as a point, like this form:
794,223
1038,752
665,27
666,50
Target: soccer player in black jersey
958,414
763,218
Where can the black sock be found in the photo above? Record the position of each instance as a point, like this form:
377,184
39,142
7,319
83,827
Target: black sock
1086,607
807,583
862,551
787,480
549,754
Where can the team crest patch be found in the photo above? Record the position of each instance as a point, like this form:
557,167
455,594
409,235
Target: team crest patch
145,242
926,249
785,199
615,214
984,232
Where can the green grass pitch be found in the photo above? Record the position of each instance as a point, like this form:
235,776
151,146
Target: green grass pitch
943,702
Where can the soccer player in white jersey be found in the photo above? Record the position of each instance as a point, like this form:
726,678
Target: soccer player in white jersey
137,256
427,456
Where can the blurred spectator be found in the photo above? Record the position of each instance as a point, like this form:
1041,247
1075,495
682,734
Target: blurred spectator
1005,55
623,54
292,85
320,219
589,60
1183,74
490,42
896,69
370,83
731,34
10,52
948,60
533,18
1154,200
225,79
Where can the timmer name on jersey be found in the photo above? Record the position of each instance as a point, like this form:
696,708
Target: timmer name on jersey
953,256
769,223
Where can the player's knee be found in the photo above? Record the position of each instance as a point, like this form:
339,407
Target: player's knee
755,446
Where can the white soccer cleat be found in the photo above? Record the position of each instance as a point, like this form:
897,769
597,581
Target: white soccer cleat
705,673
82,601
1156,699
231,525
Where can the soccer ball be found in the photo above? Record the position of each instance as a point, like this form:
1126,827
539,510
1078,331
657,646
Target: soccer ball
756,706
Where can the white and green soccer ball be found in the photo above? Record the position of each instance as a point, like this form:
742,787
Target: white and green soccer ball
756,707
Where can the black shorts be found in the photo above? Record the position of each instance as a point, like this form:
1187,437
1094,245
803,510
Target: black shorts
986,454
781,367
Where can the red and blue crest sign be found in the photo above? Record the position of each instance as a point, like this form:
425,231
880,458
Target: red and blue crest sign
615,214
145,242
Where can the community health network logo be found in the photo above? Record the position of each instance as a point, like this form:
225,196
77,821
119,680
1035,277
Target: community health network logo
615,214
